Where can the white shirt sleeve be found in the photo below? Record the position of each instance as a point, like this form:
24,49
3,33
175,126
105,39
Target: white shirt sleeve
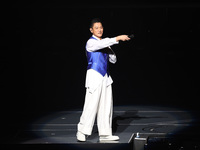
112,58
94,45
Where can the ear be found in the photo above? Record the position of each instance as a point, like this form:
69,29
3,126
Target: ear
91,30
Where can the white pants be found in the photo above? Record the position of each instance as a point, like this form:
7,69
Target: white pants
99,103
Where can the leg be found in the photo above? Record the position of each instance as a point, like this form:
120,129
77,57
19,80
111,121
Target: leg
105,111
87,118
104,116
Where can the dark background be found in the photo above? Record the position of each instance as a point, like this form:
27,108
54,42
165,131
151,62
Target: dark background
43,62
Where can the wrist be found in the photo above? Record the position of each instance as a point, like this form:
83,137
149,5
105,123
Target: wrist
117,38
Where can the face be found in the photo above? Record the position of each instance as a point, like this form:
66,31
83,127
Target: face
97,30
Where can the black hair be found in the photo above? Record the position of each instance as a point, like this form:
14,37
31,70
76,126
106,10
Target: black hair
95,20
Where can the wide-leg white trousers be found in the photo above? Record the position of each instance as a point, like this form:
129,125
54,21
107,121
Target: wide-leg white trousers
99,103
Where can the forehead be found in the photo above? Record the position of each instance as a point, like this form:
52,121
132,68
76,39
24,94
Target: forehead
97,24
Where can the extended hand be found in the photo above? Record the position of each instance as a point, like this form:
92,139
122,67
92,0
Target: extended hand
122,38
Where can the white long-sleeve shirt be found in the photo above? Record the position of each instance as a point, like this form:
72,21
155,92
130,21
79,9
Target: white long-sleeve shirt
94,78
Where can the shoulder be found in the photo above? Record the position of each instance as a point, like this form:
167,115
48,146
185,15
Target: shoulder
90,41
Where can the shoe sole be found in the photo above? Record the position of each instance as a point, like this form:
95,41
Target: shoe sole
80,140
117,139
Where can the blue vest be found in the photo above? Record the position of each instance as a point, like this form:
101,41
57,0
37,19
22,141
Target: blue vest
98,60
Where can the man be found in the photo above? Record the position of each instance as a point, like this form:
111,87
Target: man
98,99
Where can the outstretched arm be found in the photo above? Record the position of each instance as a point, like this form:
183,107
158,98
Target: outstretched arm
94,45
122,38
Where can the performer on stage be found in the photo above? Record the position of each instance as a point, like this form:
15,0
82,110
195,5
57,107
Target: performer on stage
98,98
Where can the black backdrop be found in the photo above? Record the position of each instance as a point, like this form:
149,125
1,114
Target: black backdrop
43,60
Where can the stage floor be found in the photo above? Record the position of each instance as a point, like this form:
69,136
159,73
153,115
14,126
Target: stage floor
149,121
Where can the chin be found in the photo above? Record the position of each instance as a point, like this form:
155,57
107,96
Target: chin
99,35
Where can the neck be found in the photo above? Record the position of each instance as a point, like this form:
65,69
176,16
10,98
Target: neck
97,37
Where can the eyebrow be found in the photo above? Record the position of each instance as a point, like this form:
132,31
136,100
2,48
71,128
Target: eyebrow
98,27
